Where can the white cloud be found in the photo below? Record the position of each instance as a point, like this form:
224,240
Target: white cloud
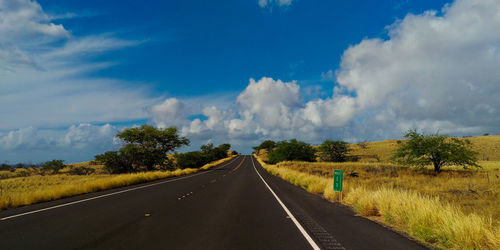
25,20
266,108
85,135
271,3
271,102
76,143
19,138
439,69
171,112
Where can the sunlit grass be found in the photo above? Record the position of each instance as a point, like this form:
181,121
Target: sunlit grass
455,209
21,191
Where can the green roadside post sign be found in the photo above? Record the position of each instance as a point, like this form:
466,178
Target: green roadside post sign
337,180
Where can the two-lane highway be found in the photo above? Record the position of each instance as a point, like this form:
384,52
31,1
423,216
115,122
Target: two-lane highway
226,208
236,205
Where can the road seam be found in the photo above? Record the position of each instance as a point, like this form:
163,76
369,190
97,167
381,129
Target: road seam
110,194
295,221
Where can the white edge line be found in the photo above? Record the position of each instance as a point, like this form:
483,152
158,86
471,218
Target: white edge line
301,229
110,194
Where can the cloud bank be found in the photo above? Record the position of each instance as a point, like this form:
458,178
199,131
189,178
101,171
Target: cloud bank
437,71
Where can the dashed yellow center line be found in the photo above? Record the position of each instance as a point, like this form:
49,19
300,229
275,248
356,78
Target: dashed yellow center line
241,163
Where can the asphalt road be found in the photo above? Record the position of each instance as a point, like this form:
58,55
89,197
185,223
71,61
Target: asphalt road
236,205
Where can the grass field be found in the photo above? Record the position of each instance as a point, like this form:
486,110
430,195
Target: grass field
20,191
455,209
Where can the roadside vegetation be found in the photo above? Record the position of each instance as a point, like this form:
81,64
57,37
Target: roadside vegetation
144,157
450,207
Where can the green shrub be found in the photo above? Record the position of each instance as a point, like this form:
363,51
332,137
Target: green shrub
81,170
292,151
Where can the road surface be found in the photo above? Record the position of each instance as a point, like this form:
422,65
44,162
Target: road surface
236,205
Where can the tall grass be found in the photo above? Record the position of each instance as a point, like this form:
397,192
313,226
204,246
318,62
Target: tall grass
22,191
377,194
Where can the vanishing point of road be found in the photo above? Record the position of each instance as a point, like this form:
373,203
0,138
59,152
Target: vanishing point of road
236,205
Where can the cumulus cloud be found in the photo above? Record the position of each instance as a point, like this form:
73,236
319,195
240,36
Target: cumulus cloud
434,69
266,108
271,3
171,112
25,19
88,135
21,138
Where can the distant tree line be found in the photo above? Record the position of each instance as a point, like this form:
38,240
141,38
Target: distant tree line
207,154
145,148
418,150
294,150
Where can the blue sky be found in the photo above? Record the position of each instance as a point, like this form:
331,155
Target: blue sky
200,47
73,73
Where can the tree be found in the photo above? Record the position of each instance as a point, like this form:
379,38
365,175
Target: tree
143,148
291,151
422,150
335,151
54,166
267,144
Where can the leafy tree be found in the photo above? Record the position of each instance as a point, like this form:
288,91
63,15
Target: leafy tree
224,147
54,166
291,151
148,146
335,151
422,150
143,148
267,144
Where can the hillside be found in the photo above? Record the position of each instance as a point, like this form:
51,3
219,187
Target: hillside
487,146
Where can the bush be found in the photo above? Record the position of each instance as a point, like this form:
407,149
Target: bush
197,159
291,151
5,166
81,170
267,144
115,162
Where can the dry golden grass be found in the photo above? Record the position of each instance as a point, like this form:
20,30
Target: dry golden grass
488,146
455,209
22,191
